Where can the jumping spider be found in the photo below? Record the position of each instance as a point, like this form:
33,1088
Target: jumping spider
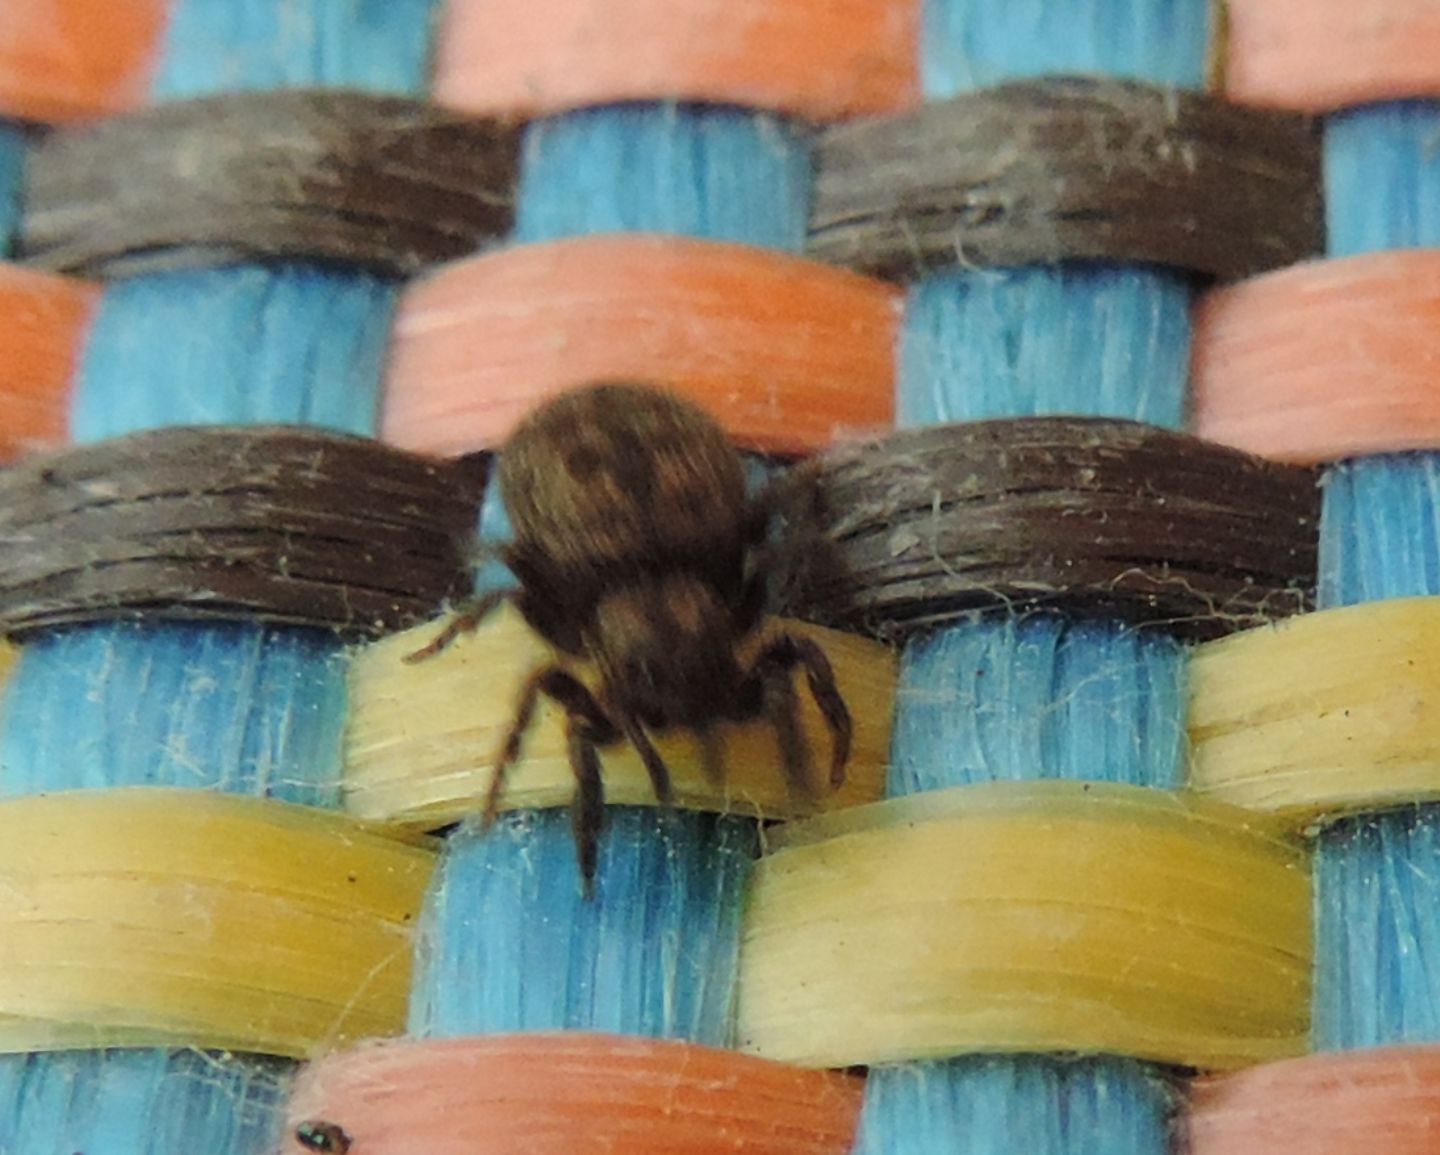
637,548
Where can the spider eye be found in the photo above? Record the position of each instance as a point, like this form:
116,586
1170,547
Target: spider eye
324,1137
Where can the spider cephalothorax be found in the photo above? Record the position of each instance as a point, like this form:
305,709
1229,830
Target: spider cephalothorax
636,548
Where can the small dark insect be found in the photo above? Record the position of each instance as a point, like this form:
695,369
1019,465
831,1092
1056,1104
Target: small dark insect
327,1138
637,548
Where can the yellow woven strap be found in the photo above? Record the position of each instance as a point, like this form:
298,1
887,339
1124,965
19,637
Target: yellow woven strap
1325,714
421,739
1029,916
150,917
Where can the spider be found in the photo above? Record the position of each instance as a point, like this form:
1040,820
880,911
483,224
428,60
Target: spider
637,548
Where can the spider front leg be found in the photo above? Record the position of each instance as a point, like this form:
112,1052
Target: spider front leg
778,658
587,726
563,688
466,619
587,808
654,765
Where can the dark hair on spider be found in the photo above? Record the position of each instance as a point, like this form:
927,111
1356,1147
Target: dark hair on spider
636,547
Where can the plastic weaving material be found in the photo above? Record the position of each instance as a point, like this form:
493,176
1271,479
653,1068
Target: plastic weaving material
293,344
1014,917
257,523
1095,1106
1069,168
241,709
1310,332
1101,949
1384,1101
784,352
982,345
140,1102
296,337
375,45
1325,54
67,59
232,670
696,170
967,44
1375,927
508,943
1327,714
379,183
183,918
1001,702
1087,516
12,163
1376,941
1390,544
557,1093
820,59
1382,178
1106,320
222,345
45,319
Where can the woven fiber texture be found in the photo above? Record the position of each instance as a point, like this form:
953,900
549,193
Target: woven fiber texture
998,718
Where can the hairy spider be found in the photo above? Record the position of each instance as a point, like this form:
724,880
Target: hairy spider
637,548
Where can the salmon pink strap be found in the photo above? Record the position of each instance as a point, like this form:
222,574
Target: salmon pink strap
1326,360
553,1093
785,352
1320,55
1384,1101
818,59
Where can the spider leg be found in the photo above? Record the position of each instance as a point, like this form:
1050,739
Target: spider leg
654,764
789,567
467,616
782,707
770,564
754,594
780,656
762,555
587,808
712,755
579,704
792,493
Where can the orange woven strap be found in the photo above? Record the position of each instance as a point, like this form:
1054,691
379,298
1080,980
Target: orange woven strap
43,321
1322,361
820,59
786,353
71,59
1382,1102
558,1093
1325,54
